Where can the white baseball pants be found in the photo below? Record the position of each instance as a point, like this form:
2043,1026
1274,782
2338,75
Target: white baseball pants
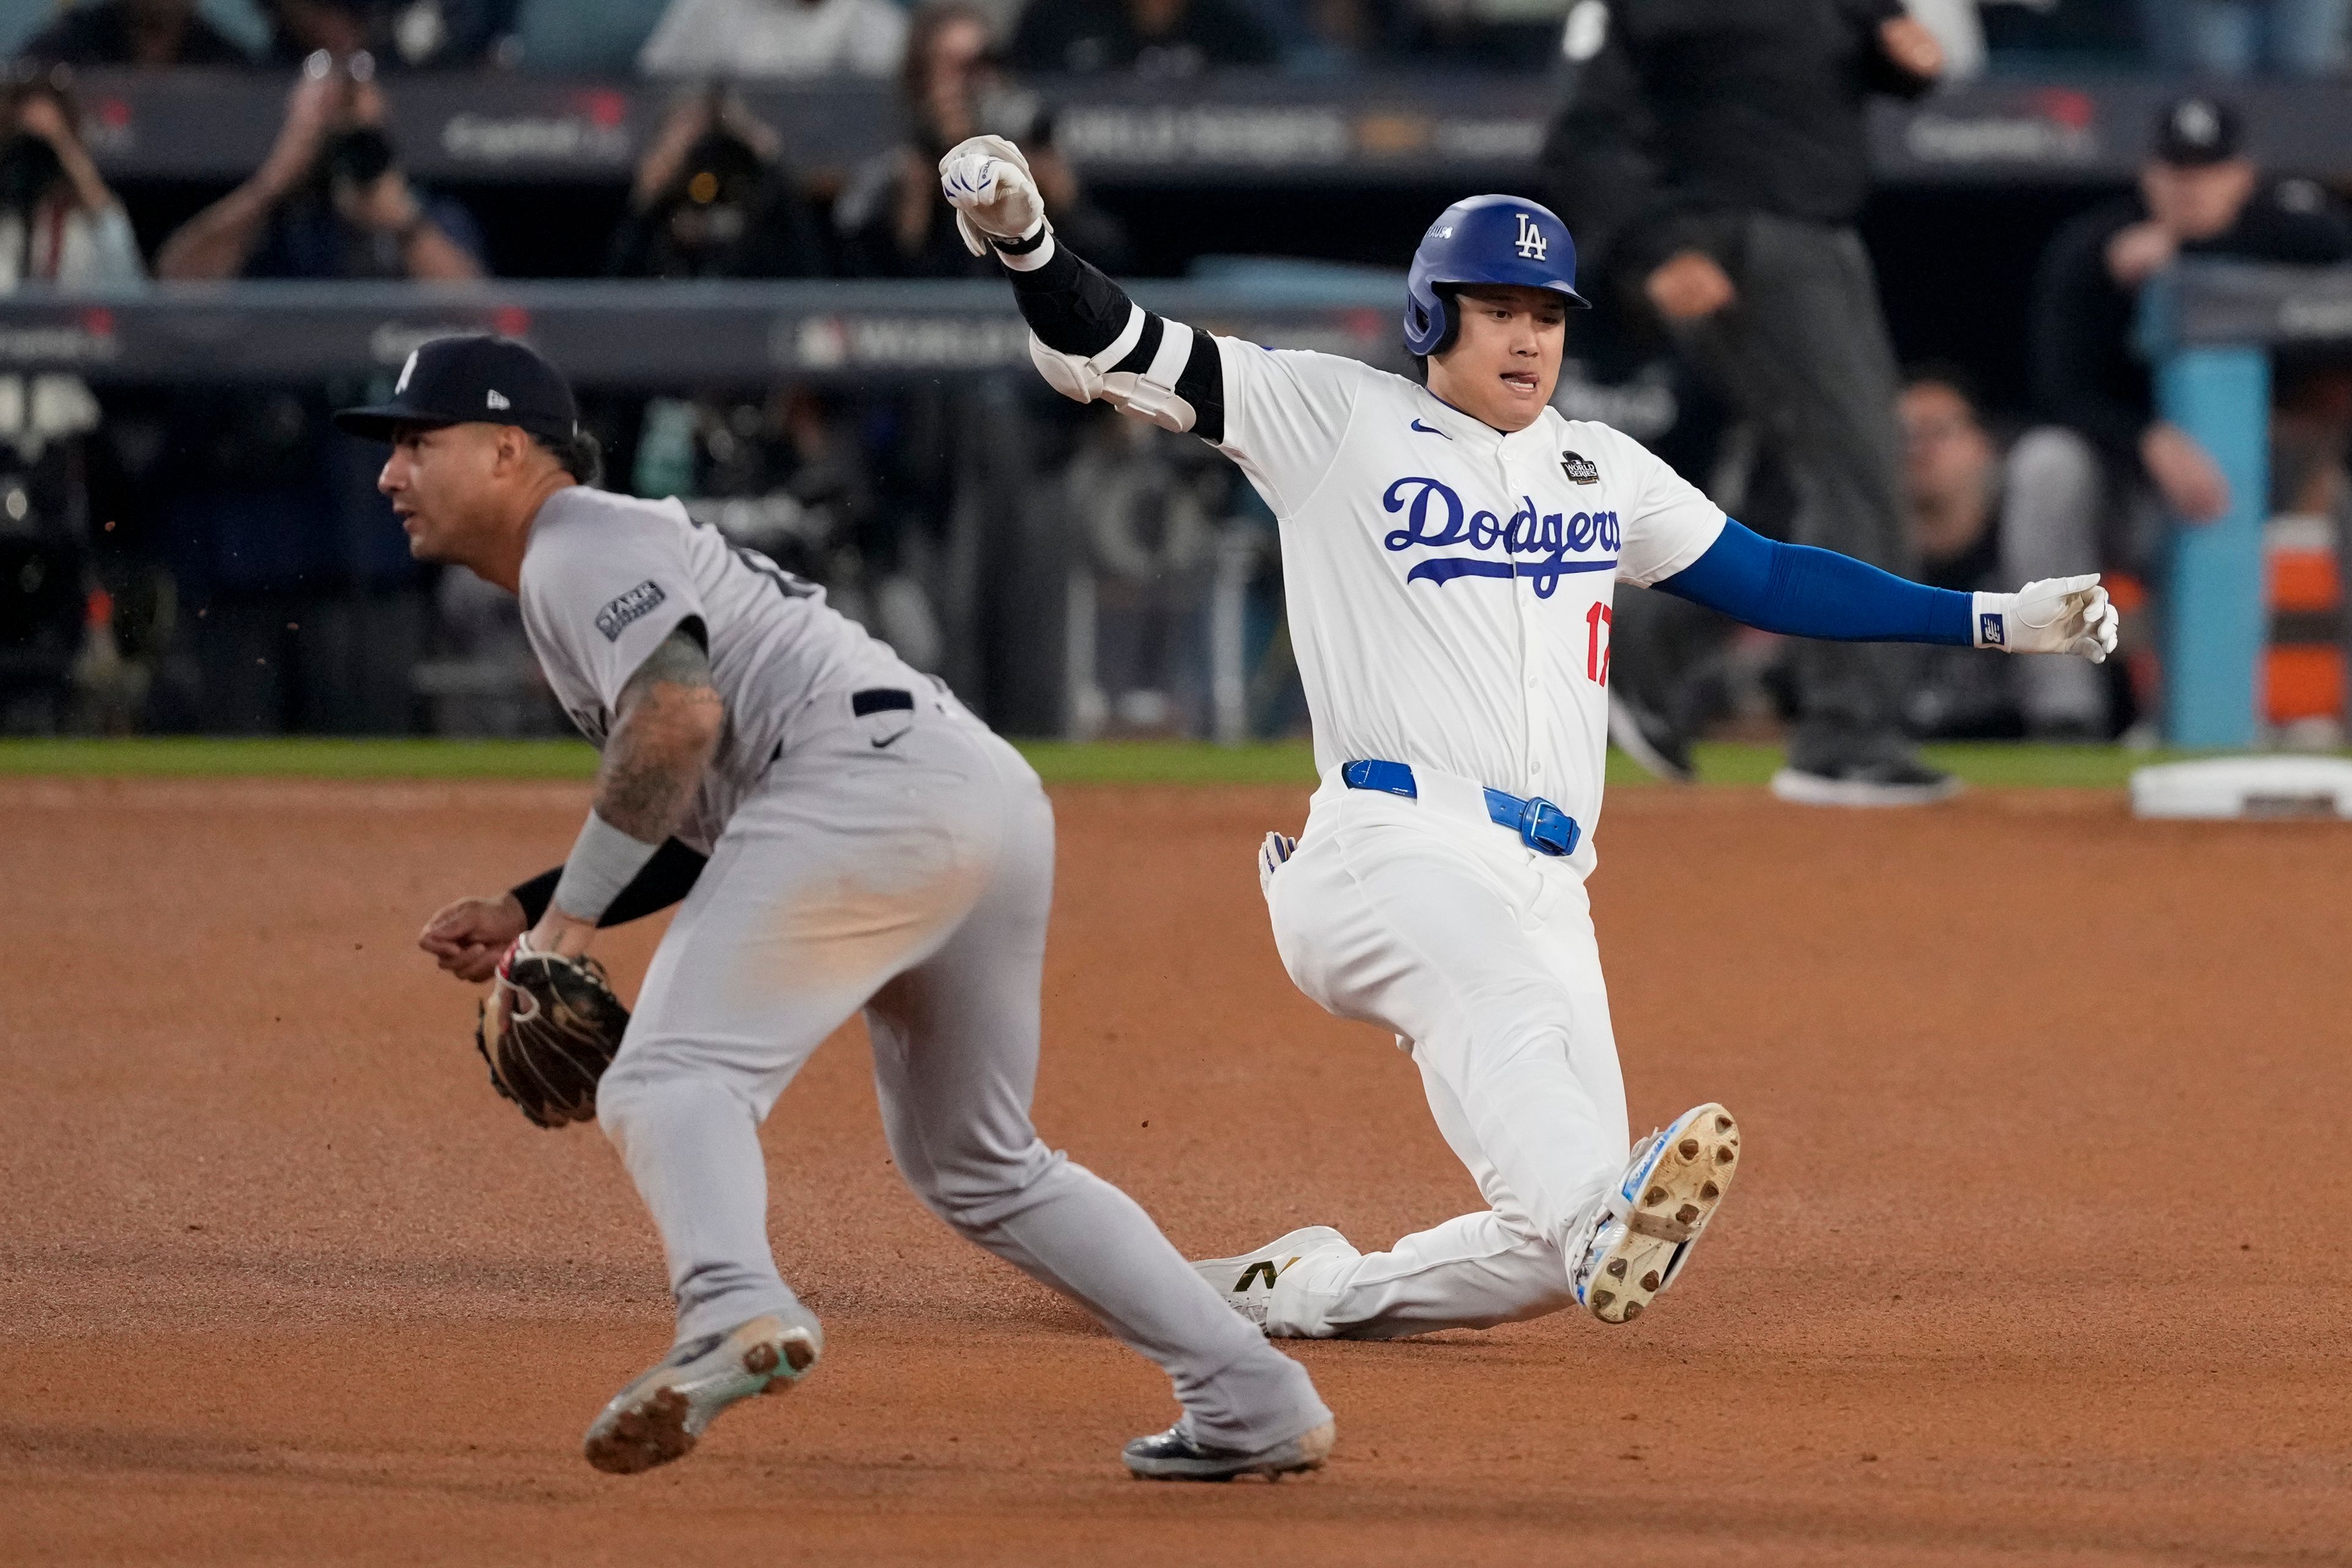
1426,918
900,862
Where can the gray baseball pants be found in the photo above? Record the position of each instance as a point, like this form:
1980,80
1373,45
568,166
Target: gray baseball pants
902,863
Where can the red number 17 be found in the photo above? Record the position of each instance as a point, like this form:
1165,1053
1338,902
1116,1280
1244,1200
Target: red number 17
1596,647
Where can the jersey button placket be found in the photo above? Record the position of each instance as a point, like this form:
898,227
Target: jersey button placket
1530,609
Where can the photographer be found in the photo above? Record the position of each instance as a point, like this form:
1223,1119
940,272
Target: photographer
713,198
58,223
892,220
60,228
308,612
331,200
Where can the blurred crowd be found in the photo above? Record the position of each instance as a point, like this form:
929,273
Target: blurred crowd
773,38
251,579
218,559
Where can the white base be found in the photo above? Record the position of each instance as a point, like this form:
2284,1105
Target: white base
2245,788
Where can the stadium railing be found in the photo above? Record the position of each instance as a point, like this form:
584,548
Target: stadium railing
1225,128
677,335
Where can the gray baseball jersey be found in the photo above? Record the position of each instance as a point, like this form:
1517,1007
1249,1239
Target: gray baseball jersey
906,871
606,577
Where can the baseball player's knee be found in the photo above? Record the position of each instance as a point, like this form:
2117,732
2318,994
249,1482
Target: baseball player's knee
1506,1061
619,1093
974,1188
640,1085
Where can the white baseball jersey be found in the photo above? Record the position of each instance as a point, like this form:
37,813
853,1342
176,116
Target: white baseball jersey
606,577
1449,586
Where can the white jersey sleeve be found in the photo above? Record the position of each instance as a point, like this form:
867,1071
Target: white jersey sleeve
1672,524
1286,413
601,597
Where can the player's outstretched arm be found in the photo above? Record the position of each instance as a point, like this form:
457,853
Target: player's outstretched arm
1088,339
1804,591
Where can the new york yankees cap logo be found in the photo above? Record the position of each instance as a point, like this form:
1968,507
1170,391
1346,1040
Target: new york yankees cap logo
468,378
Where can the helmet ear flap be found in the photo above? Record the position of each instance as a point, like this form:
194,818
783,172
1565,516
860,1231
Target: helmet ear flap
1452,316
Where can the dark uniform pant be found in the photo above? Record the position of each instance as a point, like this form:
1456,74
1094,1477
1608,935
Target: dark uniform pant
1803,353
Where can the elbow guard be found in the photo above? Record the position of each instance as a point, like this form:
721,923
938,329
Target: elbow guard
1136,372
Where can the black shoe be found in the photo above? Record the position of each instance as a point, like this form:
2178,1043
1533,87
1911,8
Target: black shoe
1172,1456
1887,781
1652,740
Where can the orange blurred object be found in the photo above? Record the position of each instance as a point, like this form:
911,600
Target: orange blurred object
2303,676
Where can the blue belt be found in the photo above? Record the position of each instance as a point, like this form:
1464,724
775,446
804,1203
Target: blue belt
1541,825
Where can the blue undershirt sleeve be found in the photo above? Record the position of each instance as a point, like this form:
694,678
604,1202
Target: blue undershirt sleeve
1799,591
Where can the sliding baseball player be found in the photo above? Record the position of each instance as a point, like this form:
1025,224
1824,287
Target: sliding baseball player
1450,548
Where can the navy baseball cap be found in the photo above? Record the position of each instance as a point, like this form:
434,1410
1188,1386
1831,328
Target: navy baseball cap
468,378
2195,130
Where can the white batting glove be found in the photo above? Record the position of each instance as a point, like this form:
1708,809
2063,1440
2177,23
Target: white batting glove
2057,615
1270,856
988,183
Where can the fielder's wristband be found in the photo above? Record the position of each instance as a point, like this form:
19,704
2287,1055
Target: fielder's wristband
603,860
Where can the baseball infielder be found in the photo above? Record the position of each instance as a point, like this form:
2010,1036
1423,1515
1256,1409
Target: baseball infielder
1449,552
870,845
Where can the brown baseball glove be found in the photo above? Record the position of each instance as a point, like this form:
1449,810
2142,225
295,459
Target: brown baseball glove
549,1029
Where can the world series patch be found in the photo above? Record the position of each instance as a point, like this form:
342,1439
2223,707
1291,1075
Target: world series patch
1989,630
1580,469
636,604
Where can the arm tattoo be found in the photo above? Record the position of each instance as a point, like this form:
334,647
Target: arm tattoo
668,726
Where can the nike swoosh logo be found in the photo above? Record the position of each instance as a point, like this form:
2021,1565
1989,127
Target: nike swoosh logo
1429,430
879,745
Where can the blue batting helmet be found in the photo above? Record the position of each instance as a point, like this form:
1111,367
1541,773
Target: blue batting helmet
1485,240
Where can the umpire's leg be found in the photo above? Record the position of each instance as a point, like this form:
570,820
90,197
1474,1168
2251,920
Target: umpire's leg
1805,353
955,1064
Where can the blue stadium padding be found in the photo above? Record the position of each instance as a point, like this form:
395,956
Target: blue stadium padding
20,19
2213,626
242,20
568,38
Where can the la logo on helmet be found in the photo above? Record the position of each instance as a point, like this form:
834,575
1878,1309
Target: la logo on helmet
1531,242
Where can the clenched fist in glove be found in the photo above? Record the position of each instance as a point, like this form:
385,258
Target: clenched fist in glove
2057,614
987,181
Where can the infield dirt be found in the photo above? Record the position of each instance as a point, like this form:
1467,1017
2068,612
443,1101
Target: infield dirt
2037,1255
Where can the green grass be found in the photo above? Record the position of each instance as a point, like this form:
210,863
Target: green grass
1281,763
179,757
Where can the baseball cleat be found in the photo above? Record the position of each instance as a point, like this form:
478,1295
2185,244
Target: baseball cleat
1173,1455
1641,1235
1894,781
1650,740
1247,1282
660,1417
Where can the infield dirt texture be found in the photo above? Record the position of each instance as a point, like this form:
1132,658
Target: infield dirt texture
2037,1256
